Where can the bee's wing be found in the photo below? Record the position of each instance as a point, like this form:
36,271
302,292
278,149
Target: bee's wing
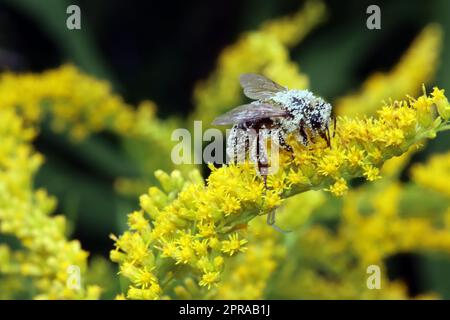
259,87
249,112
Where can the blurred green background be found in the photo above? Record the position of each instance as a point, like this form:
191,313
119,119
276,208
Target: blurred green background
159,50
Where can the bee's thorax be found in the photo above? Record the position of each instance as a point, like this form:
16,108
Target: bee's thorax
305,109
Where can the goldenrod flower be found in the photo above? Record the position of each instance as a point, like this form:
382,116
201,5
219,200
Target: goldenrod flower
290,30
145,278
339,188
209,279
417,65
45,255
441,102
82,105
334,263
233,245
435,174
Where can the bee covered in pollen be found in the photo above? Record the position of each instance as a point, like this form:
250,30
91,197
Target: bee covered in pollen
276,113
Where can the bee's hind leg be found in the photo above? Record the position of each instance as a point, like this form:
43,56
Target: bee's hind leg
271,218
271,222
325,134
283,144
303,135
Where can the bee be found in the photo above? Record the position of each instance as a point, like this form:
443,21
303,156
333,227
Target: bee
276,113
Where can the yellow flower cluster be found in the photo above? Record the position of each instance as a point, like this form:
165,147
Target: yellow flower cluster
262,51
418,65
45,254
241,280
291,30
374,226
76,102
323,267
178,230
435,174
267,249
376,222
388,230
363,145
81,105
193,226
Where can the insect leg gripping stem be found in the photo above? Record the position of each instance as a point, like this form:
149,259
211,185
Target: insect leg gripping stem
271,222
